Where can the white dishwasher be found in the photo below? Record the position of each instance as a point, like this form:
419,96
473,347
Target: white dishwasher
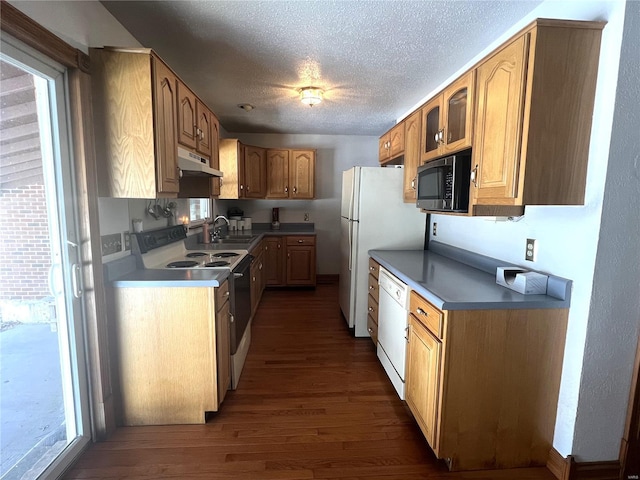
392,327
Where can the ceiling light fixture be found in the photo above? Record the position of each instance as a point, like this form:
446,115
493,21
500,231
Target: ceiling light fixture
311,95
247,107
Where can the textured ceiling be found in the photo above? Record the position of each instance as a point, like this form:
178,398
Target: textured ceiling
374,59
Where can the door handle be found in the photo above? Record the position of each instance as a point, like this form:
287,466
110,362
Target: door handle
76,280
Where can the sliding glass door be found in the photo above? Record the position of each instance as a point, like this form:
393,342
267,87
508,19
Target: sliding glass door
44,408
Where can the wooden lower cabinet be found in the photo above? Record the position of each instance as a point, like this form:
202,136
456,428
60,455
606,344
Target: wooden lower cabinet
372,300
290,260
274,261
223,346
301,260
257,272
484,390
170,352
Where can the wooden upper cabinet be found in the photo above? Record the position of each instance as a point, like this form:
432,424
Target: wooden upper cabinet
194,122
302,174
447,119
534,116
134,102
278,173
412,135
186,116
500,114
232,164
203,129
255,172
392,143
165,128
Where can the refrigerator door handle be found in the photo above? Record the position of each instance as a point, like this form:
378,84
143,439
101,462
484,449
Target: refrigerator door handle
350,243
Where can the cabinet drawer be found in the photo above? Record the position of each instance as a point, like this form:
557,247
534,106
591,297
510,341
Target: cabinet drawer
374,267
222,295
301,240
373,308
373,287
427,314
372,328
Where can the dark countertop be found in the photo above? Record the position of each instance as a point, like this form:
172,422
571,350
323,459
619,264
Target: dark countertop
173,278
454,279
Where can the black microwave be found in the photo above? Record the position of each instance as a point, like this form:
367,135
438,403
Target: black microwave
443,184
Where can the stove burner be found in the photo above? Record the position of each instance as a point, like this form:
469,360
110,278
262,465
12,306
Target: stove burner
220,263
195,254
182,264
225,254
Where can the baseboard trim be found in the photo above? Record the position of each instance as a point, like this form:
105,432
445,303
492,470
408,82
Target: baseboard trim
568,469
327,279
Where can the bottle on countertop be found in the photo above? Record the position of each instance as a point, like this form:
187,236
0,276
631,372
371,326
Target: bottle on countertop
206,236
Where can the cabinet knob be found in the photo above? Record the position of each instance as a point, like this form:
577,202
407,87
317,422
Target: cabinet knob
372,268
420,311
231,319
370,330
300,241
286,189
370,287
227,293
295,189
371,309
413,182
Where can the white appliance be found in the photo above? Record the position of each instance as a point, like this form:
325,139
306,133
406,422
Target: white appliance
373,216
393,311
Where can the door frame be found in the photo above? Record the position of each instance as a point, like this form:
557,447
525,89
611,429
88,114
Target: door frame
630,445
23,28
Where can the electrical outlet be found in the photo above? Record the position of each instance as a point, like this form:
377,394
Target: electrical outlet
127,241
306,217
435,229
111,243
532,250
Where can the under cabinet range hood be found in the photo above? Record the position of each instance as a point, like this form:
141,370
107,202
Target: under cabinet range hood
192,165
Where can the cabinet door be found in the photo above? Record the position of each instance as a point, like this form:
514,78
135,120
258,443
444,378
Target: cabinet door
274,261
255,172
254,288
496,153
430,141
203,129
396,140
302,174
384,148
186,116
301,265
412,134
223,350
422,378
165,101
215,154
277,173
458,113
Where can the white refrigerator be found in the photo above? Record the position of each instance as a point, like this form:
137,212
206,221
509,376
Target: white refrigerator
373,216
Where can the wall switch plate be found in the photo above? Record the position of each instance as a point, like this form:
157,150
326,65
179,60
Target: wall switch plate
531,254
111,243
435,229
306,217
127,240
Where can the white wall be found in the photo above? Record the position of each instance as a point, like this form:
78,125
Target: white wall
568,245
335,153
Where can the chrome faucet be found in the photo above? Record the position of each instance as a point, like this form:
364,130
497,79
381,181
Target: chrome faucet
216,230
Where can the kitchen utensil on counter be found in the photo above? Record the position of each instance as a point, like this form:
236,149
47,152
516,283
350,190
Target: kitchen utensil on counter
247,223
275,219
137,225
233,224
240,224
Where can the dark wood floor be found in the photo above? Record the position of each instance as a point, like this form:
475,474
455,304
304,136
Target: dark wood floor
313,402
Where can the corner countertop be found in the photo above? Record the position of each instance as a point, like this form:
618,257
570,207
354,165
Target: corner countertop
454,279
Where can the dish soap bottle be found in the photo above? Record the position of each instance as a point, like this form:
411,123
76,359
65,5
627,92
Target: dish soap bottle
206,236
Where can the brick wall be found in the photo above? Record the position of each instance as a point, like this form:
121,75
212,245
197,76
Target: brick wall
25,257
